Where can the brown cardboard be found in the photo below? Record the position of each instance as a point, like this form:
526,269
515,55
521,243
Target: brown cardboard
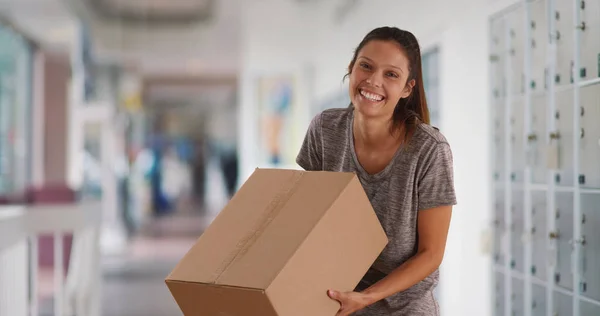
284,239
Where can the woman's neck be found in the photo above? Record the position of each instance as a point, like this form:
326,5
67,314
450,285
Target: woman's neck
374,133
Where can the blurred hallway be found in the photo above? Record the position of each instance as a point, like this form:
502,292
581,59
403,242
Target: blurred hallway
133,282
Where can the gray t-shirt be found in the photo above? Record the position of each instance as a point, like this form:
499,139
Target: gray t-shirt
420,176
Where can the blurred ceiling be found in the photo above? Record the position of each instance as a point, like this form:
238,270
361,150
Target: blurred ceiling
159,37
48,22
154,11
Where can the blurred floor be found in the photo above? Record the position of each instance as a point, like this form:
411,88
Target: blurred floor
134,284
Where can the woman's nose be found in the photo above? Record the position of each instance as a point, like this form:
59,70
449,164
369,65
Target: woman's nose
374,80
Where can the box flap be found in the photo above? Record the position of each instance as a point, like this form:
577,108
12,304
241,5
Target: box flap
336,254
206,299
258,231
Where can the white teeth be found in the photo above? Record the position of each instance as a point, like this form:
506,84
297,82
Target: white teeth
371,96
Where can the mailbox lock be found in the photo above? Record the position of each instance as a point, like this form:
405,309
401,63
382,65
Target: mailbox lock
553,235
555,135
580,241
532,137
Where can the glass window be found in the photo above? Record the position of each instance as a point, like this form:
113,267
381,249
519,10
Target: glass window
431,73
15,105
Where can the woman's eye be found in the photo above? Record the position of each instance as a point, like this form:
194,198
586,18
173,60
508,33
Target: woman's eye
364,65
393,75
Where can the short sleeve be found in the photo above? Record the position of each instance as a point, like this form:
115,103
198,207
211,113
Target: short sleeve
310,156
436,186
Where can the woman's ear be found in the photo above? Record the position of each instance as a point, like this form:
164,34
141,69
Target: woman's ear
408,89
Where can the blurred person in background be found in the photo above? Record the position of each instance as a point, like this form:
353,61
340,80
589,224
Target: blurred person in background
140,185
405,167
176,179
222,134
160,203
199,171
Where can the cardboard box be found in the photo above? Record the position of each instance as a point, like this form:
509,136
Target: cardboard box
284,239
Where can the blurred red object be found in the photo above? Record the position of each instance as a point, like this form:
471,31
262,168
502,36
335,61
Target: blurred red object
58,193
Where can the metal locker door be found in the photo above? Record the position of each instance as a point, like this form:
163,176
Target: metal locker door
517,232
563,16
497,58
539,236
563,305
564,125
564,224
589,309
498,81
539,43
518,294
590,251
517,126
537,139
538,305
499,147
514,22
590,39
590,137
499,228
499,294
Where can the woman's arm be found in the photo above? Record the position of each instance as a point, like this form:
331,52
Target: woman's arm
433,225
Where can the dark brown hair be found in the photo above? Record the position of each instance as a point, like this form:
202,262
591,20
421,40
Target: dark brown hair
412,110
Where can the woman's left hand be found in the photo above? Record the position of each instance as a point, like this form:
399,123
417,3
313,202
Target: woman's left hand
350,302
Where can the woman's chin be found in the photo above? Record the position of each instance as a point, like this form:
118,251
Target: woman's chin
370,108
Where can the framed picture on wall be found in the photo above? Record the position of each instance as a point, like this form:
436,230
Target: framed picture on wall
277,102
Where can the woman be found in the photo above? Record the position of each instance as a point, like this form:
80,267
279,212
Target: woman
405,167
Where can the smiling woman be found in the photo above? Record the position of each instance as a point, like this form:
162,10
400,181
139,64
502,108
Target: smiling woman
405,167
379,56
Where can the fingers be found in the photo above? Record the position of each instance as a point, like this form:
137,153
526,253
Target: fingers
336,295
342,312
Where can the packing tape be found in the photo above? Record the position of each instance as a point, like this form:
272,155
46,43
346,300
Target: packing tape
268,215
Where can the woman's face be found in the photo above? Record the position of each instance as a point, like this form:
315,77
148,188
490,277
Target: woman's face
378,78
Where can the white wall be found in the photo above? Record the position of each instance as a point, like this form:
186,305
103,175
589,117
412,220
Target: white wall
306,34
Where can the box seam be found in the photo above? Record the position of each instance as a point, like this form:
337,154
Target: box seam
309,233
215,285
263,223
